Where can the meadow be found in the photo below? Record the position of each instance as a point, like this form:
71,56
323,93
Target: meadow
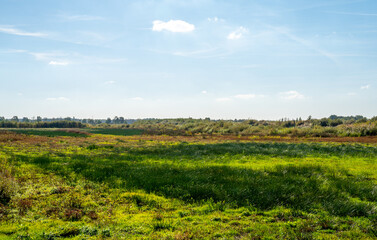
109,186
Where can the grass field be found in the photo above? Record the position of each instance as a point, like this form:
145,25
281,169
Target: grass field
140,187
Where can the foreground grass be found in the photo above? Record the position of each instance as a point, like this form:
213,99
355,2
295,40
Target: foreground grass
123,187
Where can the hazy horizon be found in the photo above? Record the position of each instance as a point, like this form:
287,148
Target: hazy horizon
169,59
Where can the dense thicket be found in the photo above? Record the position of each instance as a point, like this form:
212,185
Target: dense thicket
54,124
325,127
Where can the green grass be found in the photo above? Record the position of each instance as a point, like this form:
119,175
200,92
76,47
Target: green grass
48,132
120,188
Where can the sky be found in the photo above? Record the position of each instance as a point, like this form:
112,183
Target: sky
241,59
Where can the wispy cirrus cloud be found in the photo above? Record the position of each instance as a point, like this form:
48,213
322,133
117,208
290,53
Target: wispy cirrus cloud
238,33
58,63
365,87
215,19
14,31
69,58
80,18
111,82
288,33
354,13
290,95
247,96
178,26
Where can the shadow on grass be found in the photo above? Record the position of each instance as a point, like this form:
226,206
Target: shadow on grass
308,188
273,149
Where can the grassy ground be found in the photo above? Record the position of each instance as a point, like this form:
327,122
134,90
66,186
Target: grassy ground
118,187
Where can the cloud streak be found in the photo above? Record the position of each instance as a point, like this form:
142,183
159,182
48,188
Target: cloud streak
238,33
355,14
58,63
81,18
290,95
288,34
14,31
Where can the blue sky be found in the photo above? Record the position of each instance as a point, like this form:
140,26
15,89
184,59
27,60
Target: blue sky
263,59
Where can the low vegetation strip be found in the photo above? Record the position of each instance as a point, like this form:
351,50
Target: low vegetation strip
119,187
114,131
50,132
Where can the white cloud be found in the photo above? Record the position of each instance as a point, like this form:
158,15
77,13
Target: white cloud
351,94
173,26
366,87
58,63
291,95
57,99
238,33
137,99
204,92
15,31
225,99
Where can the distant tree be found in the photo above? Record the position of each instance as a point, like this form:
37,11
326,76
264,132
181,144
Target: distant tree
108,120
2,118
116,120
324,122
15,119
121,120
25,119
